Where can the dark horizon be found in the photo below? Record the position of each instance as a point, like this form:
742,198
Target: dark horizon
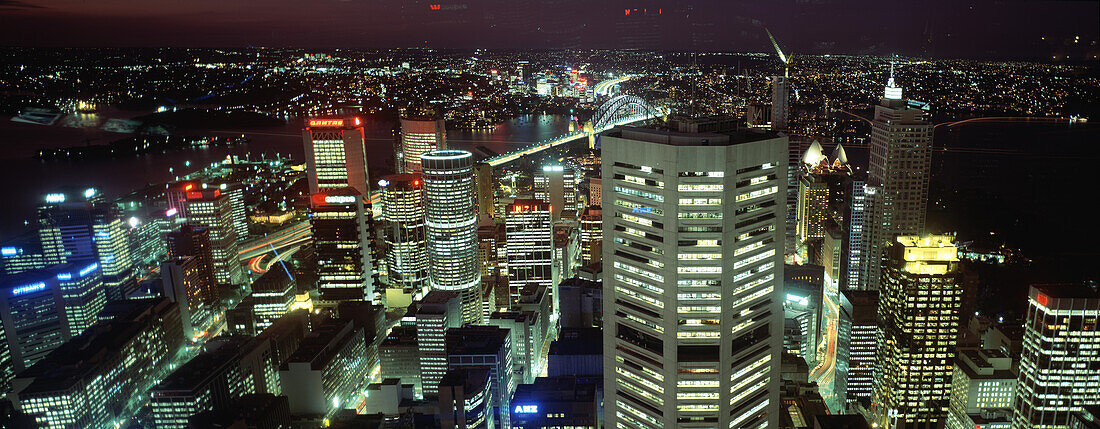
938,29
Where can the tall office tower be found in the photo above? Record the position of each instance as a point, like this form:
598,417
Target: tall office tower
486,346
857,327
450,209
794,172
1060,365
916,348
530,241
235,191
342,245
983,386
692,253
897,176
853,264
185,283
781,95
211,209
406,238
486,201
466,399
195,242
335,155
79,230
591,234
420,135
595,191
439,311
41,309
557,185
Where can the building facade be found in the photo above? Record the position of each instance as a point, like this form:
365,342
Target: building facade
530,240
335,155
406,238
341,241
450,208
419,135
693,236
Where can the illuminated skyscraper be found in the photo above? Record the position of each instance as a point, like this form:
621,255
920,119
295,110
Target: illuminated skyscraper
451,216
340,237
75,229
335,155
897,180
857,331
406,238
530,245
211,209
439,311
591,234
420,135
919,305
557,185
185,284
1060,363
195,242
983,386
693,238
781,95
41,309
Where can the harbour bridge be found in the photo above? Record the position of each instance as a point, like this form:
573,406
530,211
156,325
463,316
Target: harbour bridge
619,110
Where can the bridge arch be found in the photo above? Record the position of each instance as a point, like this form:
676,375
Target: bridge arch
621,108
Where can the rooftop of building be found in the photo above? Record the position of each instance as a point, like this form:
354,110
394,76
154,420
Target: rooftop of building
841,421
471,378
220,353
325,342
1064,291
274,280
82,358
989,364
564,388
699,131
476,340
401,335
578,341
581,283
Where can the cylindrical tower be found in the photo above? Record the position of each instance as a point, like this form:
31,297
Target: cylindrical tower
451,216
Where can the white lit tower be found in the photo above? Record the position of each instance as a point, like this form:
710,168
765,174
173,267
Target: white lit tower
419,135
450,207
335,155
530,246
693,257
897,175
406,238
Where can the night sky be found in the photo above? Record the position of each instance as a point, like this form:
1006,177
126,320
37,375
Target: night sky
936,28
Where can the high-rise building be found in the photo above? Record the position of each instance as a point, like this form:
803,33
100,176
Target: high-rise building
692,253
591,234
272,296
420,135
398,357
491,347
856,343
1060,363
439,310
342,244
451,216
527,344
208,381
81,230
557,185
486,188
781,95
335,155
96,378
897,176
211,209
406,239
185,284
983,386
41,309
918,312
853,263
330,369
529,237
555,402
466,399
195,242
595,191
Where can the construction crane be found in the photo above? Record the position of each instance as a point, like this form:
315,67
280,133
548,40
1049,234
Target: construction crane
786,60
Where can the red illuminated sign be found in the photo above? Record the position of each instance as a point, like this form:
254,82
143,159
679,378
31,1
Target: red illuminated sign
194,195
188,186
434,6
326,122
1042,299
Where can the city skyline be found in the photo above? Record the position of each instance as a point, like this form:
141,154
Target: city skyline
699,214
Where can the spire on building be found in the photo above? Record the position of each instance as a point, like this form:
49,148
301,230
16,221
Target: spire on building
893,92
